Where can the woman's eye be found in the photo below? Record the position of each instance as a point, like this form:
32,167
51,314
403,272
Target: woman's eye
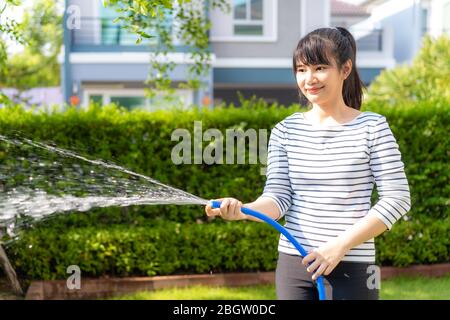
320,68
300,70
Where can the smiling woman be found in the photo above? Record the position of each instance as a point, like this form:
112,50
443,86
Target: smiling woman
321,169
326,73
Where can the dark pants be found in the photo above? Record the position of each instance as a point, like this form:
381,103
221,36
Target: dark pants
348,281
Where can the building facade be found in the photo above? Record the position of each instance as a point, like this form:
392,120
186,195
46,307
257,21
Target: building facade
252,47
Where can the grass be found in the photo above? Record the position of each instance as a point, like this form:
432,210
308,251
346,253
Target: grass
400,288
417,288
261,292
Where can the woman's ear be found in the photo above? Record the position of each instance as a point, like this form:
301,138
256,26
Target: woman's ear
347,68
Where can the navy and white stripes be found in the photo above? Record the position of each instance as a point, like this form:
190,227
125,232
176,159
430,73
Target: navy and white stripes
321,178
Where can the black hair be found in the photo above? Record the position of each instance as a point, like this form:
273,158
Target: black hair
321,45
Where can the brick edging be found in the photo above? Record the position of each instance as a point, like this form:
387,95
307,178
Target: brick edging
106,287
433,270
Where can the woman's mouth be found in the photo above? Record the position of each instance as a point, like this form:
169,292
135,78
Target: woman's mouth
313,90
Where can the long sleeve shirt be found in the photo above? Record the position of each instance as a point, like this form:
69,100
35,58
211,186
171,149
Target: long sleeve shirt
321,177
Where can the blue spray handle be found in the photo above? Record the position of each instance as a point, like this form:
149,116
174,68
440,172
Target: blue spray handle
320,286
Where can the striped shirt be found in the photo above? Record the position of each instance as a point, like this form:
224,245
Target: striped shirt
321,178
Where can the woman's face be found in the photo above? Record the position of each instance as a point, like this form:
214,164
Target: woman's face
322,84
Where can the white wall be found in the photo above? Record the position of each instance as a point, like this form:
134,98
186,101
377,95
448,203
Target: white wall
438,17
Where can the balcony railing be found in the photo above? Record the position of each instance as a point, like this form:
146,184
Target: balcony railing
368,40
104,35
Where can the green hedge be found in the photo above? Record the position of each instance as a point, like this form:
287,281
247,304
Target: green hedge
161,248
141,141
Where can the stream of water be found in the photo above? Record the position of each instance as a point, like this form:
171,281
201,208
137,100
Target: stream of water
39,179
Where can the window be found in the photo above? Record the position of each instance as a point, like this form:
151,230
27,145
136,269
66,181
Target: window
424,21
130,102
247,21
133,98
248,17
96,98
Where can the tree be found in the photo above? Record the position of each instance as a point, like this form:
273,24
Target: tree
41,33
425,79
8,30
37,65
157,18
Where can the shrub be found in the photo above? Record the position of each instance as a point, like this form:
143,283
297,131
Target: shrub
426,79
139,240
163,247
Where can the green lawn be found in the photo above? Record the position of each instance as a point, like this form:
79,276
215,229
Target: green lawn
418,288
401,288
263,292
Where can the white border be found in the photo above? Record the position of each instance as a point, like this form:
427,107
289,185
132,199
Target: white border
252,63
128,57
361,62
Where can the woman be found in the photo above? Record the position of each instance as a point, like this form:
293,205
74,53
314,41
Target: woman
322,165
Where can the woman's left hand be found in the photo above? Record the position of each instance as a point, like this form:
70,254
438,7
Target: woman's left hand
325,258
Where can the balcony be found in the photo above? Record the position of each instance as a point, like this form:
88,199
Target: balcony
368,40
103,35
375,47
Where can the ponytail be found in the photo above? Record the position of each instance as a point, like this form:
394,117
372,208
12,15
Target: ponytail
352,90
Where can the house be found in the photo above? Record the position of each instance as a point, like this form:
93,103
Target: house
252,50
408,20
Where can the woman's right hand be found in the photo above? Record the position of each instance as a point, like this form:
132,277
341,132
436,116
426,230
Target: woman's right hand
230,209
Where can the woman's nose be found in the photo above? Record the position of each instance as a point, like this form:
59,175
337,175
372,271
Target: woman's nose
309,77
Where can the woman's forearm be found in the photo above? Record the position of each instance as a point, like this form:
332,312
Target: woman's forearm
264,205
365,229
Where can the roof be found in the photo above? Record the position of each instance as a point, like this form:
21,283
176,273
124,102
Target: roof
340,8
370,4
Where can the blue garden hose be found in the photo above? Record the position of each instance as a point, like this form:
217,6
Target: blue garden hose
281,229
